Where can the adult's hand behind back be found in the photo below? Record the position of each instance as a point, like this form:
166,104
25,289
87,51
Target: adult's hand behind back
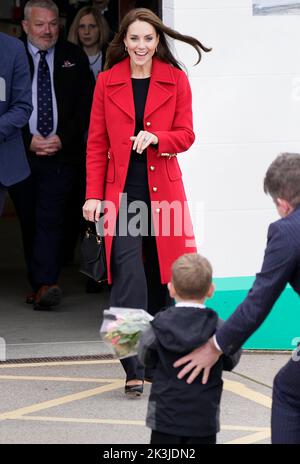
201,358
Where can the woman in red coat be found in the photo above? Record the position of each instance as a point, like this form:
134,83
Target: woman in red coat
141,119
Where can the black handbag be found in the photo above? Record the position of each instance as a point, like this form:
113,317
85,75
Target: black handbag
92,256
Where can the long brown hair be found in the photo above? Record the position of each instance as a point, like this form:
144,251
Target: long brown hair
116,50
101,23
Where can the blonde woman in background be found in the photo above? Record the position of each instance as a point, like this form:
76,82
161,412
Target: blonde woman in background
90,31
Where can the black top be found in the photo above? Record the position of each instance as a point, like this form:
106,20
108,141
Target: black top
140,90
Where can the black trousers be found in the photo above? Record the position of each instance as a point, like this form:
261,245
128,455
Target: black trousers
74,222
285,422
159,438
40,204
134,262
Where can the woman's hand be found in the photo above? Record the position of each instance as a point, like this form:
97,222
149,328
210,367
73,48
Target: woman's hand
143,140
91,210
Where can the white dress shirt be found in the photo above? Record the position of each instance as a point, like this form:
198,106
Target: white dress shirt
189,304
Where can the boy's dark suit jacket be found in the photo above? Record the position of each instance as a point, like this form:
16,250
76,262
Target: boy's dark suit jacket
73,84
176,407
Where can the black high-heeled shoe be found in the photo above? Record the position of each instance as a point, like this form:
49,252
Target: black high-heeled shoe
134,391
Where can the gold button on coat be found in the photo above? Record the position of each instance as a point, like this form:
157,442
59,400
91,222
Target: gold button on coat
157,210
152,168
154,189
148,123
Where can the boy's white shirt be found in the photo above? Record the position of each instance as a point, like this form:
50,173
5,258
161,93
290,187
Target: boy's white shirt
189,304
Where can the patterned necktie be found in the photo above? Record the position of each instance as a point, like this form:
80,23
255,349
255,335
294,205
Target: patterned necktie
44,97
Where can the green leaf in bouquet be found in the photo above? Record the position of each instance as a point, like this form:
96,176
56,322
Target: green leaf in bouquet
137,336
123,340
129,328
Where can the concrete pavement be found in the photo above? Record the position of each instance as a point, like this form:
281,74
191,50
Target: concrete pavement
83,402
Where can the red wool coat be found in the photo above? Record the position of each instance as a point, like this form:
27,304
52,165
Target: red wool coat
168,114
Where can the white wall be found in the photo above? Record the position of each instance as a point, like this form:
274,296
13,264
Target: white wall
246,102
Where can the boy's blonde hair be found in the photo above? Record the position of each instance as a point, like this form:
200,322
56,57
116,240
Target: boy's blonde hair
191,276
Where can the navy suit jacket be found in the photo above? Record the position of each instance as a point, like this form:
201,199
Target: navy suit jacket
281,265
15,109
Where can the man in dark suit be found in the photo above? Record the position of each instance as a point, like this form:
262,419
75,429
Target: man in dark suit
281,265
54,140
15,110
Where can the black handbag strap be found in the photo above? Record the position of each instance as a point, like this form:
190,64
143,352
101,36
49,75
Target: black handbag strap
90,232
92,229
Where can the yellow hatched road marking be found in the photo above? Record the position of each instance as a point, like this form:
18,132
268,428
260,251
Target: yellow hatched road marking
62,400
240,389
82,420
261,433
246,428
57,379
234,387
58,363
238,428
251,438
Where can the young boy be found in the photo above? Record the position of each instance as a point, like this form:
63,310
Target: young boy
179,413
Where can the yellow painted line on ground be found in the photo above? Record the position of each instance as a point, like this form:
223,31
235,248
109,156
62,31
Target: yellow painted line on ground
58,379
62,400
58,363
19,414
245,392
238,428
82,420
249,439
261,433
246,428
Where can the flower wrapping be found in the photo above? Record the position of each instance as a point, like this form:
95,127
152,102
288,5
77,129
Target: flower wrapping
121,329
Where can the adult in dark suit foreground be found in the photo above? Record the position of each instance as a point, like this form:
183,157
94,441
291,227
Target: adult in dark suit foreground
54,140
281,266
15,111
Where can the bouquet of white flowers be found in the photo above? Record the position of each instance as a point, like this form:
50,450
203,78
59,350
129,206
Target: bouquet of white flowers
121,329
